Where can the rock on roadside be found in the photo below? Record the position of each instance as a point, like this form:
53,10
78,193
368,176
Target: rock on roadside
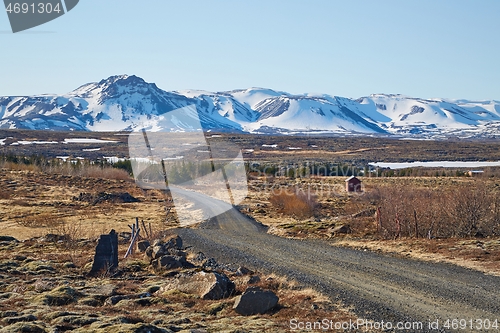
255,301
208,285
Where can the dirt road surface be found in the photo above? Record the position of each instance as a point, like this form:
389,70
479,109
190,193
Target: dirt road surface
377,287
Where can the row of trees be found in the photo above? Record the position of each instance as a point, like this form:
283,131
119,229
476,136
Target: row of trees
81,167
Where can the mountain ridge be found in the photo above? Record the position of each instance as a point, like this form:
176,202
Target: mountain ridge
127,102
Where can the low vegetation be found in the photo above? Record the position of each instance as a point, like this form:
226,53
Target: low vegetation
70,167
293,202
471,210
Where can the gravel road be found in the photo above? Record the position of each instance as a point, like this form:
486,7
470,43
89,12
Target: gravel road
378,287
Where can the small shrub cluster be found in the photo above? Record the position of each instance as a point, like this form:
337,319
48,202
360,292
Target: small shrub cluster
293,202
465,211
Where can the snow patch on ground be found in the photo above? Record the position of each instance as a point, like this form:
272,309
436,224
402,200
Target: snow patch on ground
84,140
435,164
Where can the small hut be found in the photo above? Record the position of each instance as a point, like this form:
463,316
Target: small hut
353,184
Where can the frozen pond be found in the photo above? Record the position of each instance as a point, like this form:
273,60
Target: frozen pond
435,164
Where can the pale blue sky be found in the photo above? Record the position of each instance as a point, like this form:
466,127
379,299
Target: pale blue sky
421,48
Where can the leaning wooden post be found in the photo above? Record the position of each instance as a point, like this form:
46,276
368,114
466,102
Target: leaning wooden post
130,249
145,229
134,230
135,234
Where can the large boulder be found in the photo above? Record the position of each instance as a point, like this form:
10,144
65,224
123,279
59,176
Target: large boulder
208,285
255,301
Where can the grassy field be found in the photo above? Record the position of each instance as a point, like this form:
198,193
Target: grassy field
433,217
419,210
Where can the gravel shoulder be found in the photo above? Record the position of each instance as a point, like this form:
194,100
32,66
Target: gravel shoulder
376,286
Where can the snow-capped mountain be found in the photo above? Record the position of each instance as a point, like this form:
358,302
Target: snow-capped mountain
129,103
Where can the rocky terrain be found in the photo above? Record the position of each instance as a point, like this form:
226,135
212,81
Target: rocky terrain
200,282
45,287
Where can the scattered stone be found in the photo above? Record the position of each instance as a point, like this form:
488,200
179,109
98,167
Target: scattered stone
174,242
253,279
159,248
255,301
8,239
19,257
341,229
211,264
53,238
158,251
69,265
124,237
200,257
149,253
243,271
113,300
208,285
143,245
171,262
106,254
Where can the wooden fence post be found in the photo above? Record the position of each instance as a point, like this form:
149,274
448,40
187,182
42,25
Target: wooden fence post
416,223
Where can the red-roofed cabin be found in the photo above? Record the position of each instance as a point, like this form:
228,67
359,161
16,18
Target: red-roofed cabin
353,184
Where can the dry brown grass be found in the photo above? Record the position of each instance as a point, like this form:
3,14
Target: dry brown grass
41,203
293,202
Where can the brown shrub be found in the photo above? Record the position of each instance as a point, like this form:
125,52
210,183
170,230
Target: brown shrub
106,173
465,211
293,202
